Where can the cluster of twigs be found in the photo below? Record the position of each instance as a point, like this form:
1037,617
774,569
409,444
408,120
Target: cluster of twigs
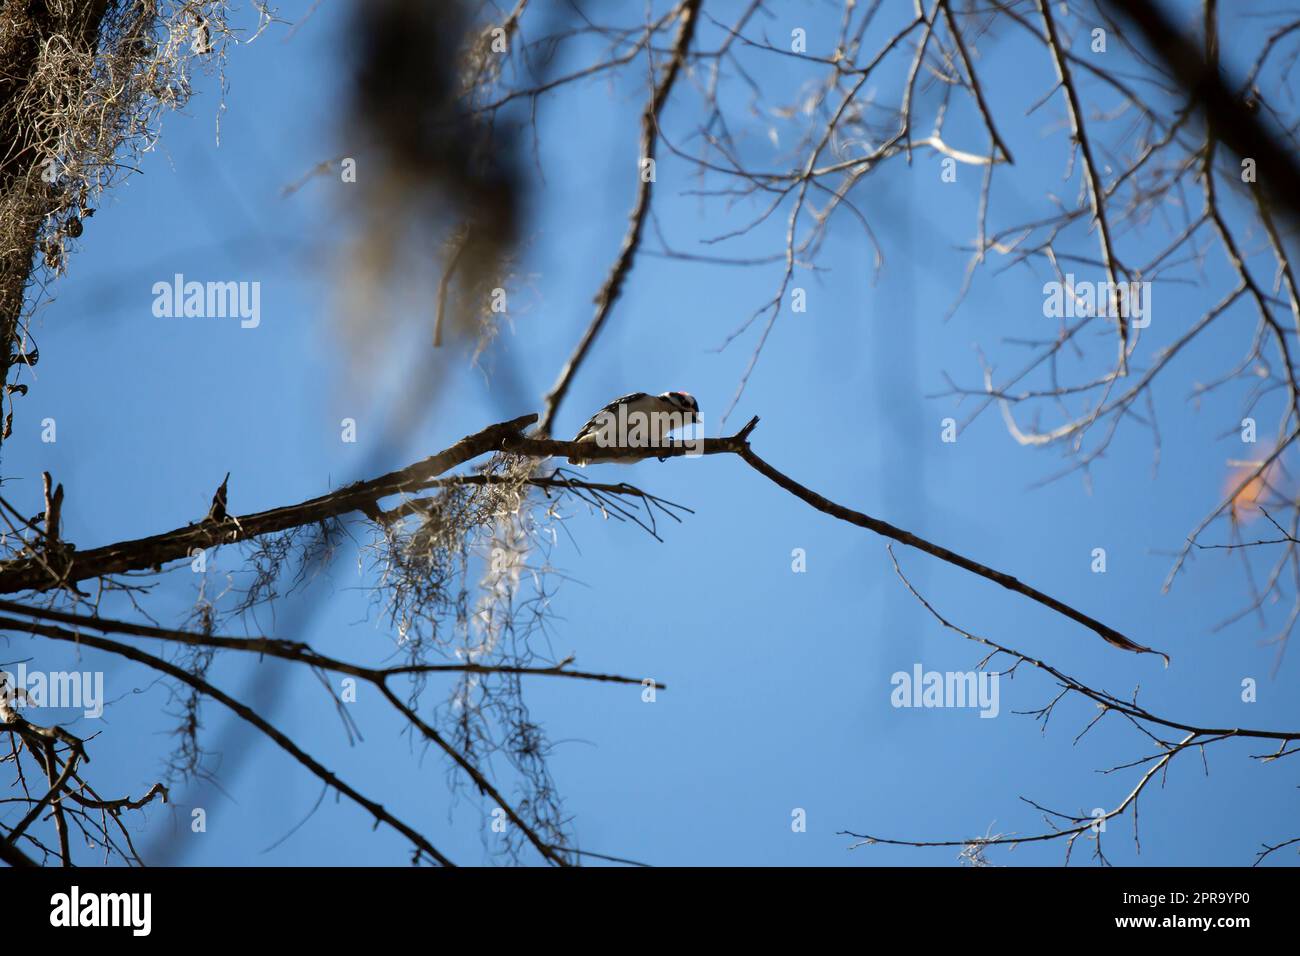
1167,737
55,789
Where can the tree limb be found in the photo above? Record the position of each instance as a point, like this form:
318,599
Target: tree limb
688,13
506,437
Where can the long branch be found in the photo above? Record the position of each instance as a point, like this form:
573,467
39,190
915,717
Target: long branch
43,572
293,651
1108,634
1093,180
507,437
688,13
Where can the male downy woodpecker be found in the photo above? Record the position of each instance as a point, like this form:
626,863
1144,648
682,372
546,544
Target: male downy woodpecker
637,420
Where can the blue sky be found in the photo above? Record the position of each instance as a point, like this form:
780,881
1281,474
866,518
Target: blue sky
778,682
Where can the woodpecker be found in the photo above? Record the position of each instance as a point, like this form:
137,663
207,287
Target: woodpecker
637,420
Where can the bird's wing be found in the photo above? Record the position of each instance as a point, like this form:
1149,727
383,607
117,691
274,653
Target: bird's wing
594,422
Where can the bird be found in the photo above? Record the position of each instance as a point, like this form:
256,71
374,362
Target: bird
637,420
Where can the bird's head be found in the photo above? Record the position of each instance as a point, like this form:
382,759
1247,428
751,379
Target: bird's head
683,402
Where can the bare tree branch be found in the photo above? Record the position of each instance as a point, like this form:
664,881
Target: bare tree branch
687,14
